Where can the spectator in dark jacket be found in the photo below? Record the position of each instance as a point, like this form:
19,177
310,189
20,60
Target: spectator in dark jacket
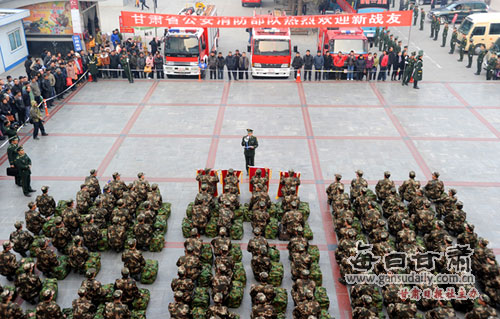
158,61
297,64
46,89
351,63
114,61
27,66
328,65
220,66
141,64
308,65
360,67
393,60
402,65
154,45
21,111
244,65
318,62
60,83
400,61
369,66
231,66
212,65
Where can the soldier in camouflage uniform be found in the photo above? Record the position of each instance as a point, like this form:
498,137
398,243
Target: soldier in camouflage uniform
183,284
128,286
357,184
365,311
93,184
78,255
191,263
260,216
307,310
122,213
46,259
402,310
83,308
261,263
417,203
263,287
259,194
434,188
391,203
378,231
405,236
34,221
204,197
154,197
259,180
436,236
9,308
290,182
194,241
116,235
70,217
468,236
482,309
133,260
143,233
28,285
221,240
178,309
129,202
61,235
290,221
48,309
20,239
297,244
409,187
93,287
8,261
117,186
361,202
91,234
440,312
117,309
424,218
221,284
232,181
340,201
257,241
200,217
394,221
83,199
226,215
107,199
455,220
142,186
261,308
446,203
204,177
331,191
342,215
480,253
384,186
149,213
370,218
45,203
230,197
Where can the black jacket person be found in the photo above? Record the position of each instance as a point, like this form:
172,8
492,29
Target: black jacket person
23,164
249,143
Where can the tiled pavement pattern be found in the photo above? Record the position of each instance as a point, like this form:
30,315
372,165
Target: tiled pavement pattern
170,128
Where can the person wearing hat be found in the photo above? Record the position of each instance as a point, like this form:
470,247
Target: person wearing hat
142,186
482,309
61,236
9,130
28,284
133,260
83,200
232,181
434,188
143,232
463,45
468,237
357,184
292,181
45,203
8,261
34,221
78,255
128,286
48,306
470,53
384,186
154,197
23,164
93,184
409,66
116,234
249,143
12,155
107,199
8,307
83,308
453,40
93,287
417,71
37,119
117,186
21,239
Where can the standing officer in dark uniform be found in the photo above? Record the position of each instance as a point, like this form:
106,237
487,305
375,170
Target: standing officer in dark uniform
12,155
417,71
23,164
249,143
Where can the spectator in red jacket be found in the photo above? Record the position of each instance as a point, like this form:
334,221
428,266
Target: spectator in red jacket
338,62
384,61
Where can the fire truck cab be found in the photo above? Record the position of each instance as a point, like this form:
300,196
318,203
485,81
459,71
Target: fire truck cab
271,51
187,48
345,40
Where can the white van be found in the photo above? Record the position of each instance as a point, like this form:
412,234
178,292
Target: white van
482,28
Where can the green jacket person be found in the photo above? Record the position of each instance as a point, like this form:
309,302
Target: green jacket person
12,155
453,41
490,68
422,19
463,44
437,27
124,61
445,34
23,164
249,143
415,15
93,66
418,72
470,53
480,59
407,73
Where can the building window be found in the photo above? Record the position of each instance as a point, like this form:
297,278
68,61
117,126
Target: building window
15,40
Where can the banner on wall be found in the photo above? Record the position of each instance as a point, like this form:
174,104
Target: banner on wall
49,18
374,19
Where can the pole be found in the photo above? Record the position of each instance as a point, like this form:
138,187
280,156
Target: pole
154,6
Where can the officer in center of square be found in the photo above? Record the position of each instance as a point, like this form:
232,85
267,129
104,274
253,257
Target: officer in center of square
249,143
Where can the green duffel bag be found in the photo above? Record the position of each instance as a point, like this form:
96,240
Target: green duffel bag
239,273
62,271
99,314
211,227
316,274
49,284
237,230
201,297
280,301
23,262
94,261
149,272
48,227
322,297
34,245
281,316
238,214
108,290
308,234
186,227
207,255
61,205
324,314
235,296
157,242
247,214
141,302
165,210
272,210
102,243
304,209
205,278
271,230
189,210
276,274
12,290
274,254
236,252
160,225
198,313
138,314
68,313
313,251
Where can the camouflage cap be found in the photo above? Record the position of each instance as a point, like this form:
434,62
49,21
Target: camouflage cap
359,172
341,187
93,171
125,271
381,222
448,239
401,205
305,272
147,203
120,202
204,186
264,275
222,231
77,238
384,235
345,202
141,218
47,293
115,220
469,226
230,171
453,191
58,220
405,223
82,292
294,203
31,205
106,187
117,294
116,174
28,266
18,224
190,248
5,294
412,173
218,297
262,203
226,203
393,190
90,272
291,171
364,190
338,176
367,299
141,174
257,231
193,231
226,187
7,244
154,186
45,188
483,241
351,233
427,203
435,173
131,242
459,205
440,223
178,294
260,297
485,298
181,271
387,174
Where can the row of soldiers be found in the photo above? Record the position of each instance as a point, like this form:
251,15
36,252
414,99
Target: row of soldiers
404,223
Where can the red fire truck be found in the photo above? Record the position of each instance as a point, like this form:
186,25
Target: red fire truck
186,48
333,40
256,3
271,50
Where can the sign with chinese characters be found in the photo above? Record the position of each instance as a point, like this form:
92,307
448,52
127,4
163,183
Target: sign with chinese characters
374,19
124,29
77,43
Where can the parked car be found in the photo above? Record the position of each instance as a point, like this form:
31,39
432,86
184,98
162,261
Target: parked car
462,9
482,28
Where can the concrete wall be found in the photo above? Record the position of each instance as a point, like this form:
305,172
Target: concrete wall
11,59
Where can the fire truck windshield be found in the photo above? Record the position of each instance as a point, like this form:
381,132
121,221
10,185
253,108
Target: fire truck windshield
181,46
271,47
346,45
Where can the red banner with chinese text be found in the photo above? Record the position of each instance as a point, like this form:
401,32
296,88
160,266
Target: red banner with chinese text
374,19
